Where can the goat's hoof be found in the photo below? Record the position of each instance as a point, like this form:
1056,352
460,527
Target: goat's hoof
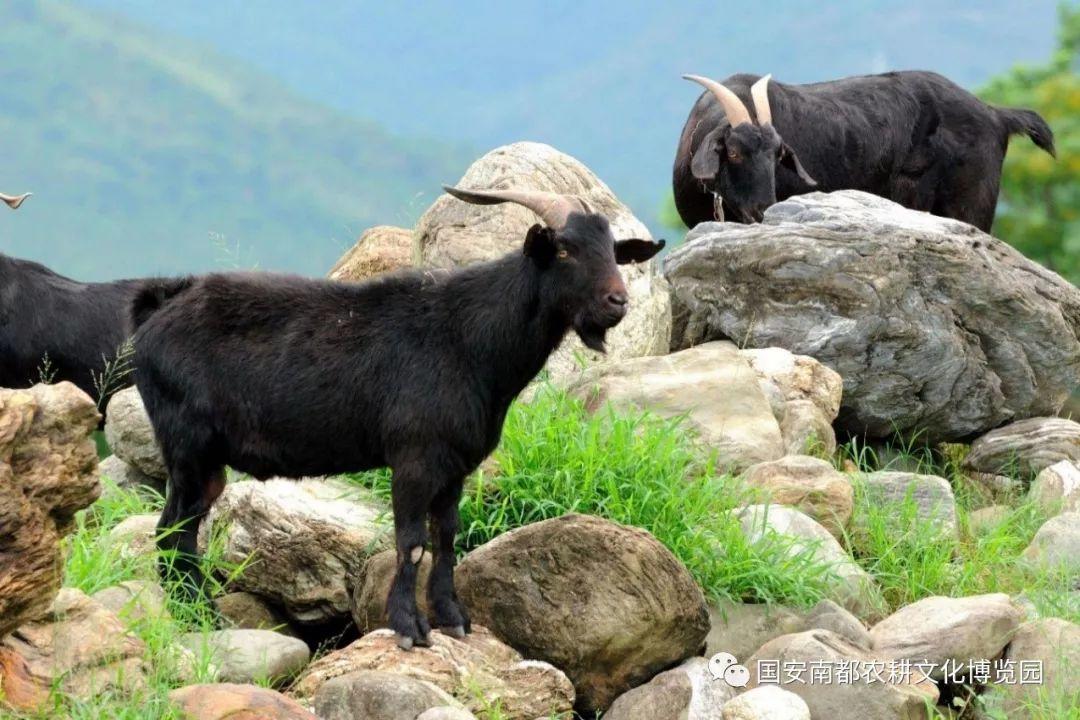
454,631
424,641
404,641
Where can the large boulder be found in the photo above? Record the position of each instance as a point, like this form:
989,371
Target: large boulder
478,671
932,503
302,541
130,434
605,603
48,471
711,387
1025,448
381,249
1057,488
245,655
850,684
79,646
374,695
850,586
767,702
804,396
1056,545
227,701
687,692
741,628
1053,646
944,629
812,485
453,233
933,325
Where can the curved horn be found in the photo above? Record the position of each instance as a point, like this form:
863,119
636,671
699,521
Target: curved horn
736,112
759,93
15,201
552,208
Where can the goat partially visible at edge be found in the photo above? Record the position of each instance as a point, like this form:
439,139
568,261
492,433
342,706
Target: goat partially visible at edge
54,328
280,375
915,138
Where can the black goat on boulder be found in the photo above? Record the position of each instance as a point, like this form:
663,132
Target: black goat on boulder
913,137
279,375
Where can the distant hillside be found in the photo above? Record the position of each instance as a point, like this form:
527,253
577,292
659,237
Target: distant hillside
152,155
598,79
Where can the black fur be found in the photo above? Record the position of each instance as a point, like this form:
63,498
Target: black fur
279,375
77,325
913,137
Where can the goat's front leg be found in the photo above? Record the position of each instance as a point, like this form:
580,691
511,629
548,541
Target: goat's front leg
411,495
447,611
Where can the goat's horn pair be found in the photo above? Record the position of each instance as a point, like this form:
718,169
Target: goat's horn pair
553,208
14,201
736,112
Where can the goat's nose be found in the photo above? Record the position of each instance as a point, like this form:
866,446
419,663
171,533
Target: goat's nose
618,299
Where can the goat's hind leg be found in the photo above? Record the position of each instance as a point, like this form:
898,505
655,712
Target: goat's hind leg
447,611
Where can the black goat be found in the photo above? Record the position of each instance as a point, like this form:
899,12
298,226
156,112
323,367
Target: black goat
913,137
279,375
55,328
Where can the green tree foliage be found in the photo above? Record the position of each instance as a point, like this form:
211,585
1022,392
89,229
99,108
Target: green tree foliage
1039,209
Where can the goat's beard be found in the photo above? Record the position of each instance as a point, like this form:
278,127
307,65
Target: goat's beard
592,334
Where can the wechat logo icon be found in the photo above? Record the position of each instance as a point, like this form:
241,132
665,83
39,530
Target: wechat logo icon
724,666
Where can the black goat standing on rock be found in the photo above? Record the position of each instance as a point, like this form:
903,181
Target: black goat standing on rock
915,138
279,375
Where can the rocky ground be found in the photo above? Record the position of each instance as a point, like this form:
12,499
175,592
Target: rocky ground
818,476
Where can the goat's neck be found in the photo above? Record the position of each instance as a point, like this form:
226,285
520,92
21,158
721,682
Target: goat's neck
518,328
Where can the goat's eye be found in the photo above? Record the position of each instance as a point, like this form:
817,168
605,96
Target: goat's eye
563,254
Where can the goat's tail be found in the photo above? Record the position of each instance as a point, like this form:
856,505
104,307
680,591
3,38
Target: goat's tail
1030,123
153,295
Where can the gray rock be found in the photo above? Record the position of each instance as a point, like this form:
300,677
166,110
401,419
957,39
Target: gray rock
804,396
932,324
741,628
1054,644
1057,543
687,692
853,587
767,702
134,601
302,540
446,712
937,629
935,504
244,656
811,485
711,386
248,611
135,535
605,603
130,434
830,698
374,695
452,233
986,519
1057,488
128,477
1025,448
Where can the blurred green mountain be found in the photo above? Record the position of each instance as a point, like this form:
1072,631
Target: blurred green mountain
149,154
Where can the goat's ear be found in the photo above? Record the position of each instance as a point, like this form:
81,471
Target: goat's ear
635,251
540,244
706,161
790,160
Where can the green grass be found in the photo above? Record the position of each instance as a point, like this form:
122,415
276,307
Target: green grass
639,470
